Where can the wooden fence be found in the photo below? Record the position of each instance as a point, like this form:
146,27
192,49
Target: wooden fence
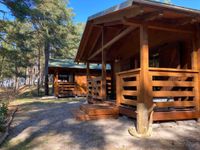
174,91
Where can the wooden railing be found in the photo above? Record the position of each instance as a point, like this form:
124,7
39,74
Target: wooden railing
175,88
127,87
66,88
171,88
94,88
108,86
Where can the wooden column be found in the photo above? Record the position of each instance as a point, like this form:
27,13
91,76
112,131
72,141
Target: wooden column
113,79
103,90
88,70
145,87
196,66
56,84
117,69
88,77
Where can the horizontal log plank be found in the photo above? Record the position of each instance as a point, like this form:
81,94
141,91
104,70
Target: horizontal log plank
130,83
173,83
172,74
130,76
176,104
173,70
129,93
129,102
173,93
176,115
133,71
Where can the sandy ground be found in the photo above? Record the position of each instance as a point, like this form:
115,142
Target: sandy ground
49,125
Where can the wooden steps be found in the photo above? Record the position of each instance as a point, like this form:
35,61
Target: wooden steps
127,112
96,111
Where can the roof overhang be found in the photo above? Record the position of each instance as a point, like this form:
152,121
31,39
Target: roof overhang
115,20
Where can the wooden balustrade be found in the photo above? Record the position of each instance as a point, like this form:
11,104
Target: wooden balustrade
94,88
66,88
174,92
127,87
176,87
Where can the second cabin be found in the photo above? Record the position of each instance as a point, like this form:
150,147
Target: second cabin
70,78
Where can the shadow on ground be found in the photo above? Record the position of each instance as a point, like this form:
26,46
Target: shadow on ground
49,124
38,119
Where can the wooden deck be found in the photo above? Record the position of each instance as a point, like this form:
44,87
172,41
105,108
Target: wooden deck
96,111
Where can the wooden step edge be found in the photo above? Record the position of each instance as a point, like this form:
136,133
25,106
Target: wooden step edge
95,106
97,117
112,111
127,112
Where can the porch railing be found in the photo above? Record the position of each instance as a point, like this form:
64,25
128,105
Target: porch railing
171,89
66,88
175,87
95,87
127,87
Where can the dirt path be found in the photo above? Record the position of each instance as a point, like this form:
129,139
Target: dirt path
49,125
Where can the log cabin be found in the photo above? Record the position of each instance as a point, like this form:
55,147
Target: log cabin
154,52
69,78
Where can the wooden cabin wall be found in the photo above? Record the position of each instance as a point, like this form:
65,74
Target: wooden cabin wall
81,81
174,49
172,55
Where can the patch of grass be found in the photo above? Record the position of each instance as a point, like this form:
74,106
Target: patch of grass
49,101
30,91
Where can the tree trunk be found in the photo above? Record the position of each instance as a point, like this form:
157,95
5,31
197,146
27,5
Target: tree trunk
38,74
1,67
46,54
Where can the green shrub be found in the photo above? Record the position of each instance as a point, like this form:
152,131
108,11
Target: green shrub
3,114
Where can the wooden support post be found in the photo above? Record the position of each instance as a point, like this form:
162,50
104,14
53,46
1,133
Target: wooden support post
103,89
88,77
196,65
118,90
113,79
56,84
117,69
145,87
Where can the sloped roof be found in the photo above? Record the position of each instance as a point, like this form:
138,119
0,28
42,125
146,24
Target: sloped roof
112,19
129,3
69,63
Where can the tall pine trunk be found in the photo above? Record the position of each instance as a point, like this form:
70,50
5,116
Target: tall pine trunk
39,72
46,54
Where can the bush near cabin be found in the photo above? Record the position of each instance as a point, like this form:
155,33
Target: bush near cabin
3,115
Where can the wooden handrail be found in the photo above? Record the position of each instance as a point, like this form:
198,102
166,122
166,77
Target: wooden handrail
173,70
129,71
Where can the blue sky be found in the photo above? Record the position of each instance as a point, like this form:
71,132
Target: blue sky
85,8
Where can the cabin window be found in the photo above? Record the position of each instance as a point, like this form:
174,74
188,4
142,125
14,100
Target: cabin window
66,77
154,60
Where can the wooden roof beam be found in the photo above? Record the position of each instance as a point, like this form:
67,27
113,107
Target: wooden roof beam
152,16
87,34
115,39
95,42
129,13
188,21
156,25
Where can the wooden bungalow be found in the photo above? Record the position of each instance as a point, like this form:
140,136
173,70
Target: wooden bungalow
69,78
154,52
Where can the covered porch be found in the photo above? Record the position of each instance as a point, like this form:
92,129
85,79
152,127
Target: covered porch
154,50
